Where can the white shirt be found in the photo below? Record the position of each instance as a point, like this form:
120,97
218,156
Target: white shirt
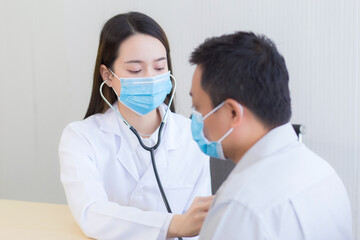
109,180
280,190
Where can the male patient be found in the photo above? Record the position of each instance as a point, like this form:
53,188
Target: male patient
279,189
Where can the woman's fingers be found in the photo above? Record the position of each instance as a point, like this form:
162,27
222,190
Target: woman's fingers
202,203
189,224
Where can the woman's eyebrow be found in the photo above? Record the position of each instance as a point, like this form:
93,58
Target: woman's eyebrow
134,61
160,59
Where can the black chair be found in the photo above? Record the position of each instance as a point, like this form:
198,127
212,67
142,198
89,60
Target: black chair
219,169
300,130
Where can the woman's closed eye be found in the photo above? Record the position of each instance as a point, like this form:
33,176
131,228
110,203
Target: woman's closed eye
134,71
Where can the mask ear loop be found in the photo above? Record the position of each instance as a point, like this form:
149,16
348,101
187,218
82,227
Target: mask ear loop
214,110
231,129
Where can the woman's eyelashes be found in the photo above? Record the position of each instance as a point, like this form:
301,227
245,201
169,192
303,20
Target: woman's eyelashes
134,71
138,71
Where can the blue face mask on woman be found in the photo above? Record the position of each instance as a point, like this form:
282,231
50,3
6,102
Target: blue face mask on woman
143,95
211,148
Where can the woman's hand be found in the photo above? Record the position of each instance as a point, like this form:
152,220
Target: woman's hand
189,223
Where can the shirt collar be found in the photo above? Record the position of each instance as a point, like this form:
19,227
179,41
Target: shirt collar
272,142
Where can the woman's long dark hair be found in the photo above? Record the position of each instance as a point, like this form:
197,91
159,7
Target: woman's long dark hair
114,32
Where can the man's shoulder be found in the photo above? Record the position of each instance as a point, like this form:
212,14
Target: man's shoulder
275,178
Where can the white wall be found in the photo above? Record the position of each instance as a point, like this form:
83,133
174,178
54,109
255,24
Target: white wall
47,55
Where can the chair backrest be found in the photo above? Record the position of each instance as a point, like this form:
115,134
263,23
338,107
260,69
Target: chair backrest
220,169
300,130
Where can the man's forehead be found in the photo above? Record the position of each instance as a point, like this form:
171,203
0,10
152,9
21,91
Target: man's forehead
199,96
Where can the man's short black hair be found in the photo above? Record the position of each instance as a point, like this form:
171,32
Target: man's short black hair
249,69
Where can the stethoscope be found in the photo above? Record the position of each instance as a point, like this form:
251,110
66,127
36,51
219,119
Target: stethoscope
150,149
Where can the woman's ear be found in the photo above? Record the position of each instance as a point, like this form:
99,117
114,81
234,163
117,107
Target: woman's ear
106,75
237,111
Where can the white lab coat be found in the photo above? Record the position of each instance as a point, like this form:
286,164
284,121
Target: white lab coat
109,181
280,190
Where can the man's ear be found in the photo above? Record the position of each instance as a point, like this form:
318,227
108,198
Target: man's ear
106,75
237,111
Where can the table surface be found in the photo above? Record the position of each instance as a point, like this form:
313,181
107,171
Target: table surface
32,220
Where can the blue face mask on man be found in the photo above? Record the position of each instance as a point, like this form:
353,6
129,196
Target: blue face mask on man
211,148
143,95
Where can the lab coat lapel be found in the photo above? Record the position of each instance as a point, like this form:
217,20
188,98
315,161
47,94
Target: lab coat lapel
170,141
110,123
161,160
171,136
148,183
126,147
125,157
162,165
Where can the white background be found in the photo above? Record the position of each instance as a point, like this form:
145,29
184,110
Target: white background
48,50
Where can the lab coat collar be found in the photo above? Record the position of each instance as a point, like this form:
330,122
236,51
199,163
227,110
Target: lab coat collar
109,121
273,141
171,130
112,123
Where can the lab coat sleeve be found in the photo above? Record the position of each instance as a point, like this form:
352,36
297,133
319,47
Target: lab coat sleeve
97,216
233,220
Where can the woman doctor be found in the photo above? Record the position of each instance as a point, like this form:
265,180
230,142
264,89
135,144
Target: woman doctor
108,177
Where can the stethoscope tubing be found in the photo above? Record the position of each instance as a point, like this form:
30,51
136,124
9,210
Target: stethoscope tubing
151,150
